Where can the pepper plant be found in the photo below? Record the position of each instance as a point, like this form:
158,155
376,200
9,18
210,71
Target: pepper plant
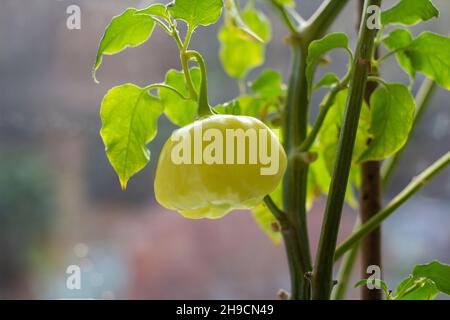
362,123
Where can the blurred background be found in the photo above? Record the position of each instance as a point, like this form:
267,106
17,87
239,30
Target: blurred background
61,203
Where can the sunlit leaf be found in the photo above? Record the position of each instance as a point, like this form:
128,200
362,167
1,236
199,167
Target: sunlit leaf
392,113
129,116
181,112
197,12
409,12
127,30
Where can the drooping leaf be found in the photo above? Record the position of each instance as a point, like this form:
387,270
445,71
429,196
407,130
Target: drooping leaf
265,218
327,81
436,271
409,12
269,84
129,116
365,282
429,54
197,12
126,30
392,115
320,47
181,112
239,53
396,40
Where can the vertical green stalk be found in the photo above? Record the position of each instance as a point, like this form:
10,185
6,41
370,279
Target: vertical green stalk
323,273
295,181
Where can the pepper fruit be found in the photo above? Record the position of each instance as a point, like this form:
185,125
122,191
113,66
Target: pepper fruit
203,173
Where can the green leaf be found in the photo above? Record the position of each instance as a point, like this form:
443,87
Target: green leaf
239,53
418,290
329,133
392,114
436,271
157,9
288,3
327,81
233,107
365,282
197,12
180,111
429,54
409,12
269,84
265,218
329,139
320,47
129,115
318,179
127,30
399,39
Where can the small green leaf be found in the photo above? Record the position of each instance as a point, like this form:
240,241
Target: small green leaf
233,107
396,40
239,53
265,218
268,85
318,179
181,112
419,290
327,81
320,47
197,12
365,282
429,54
436,271
288,3
157,9
392,114
127,30
129,115
409,12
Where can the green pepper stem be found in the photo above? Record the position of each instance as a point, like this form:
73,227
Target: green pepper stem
203,105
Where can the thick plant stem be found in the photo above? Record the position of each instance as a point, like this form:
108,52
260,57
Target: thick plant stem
323,273
422,101
370,203
295,181
411,189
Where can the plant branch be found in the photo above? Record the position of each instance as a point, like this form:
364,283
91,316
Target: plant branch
423,97
165,86
323,274
412,188
322,19
324,108
291,18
